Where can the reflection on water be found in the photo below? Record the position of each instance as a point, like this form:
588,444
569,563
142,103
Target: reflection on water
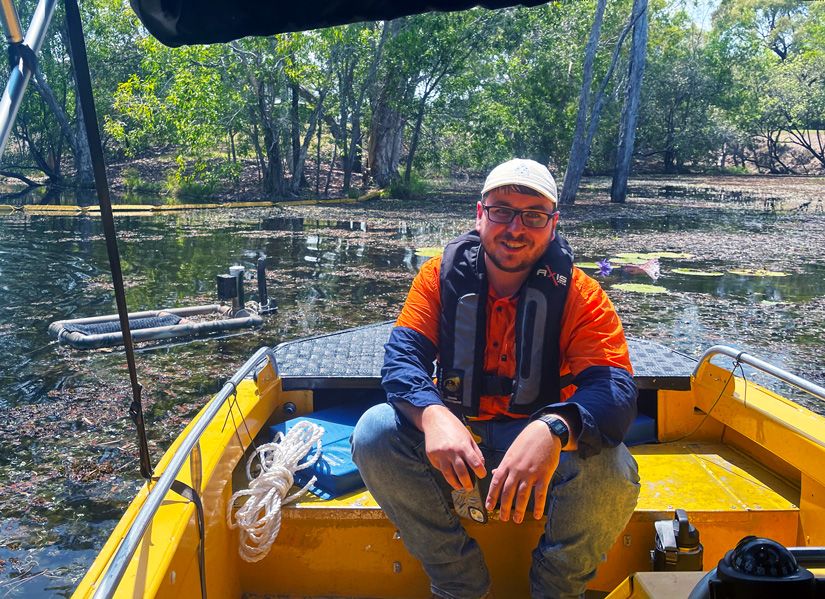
67,446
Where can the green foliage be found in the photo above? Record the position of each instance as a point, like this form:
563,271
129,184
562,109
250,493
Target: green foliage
140,120
416,188
467,90
199,180
136,185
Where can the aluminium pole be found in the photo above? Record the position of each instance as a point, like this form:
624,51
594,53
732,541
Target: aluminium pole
21,73
11,22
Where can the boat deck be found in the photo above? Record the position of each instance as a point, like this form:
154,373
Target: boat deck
353,359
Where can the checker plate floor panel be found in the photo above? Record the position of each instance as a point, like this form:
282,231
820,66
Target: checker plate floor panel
353,359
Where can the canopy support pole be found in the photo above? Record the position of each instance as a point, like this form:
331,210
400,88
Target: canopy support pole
84,92
21,73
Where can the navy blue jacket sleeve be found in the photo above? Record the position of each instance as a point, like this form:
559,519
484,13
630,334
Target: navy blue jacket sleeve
601,410
407,374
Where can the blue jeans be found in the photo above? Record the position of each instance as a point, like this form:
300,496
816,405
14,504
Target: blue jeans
590,502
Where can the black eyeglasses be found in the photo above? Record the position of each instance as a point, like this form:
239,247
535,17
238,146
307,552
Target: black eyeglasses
532,219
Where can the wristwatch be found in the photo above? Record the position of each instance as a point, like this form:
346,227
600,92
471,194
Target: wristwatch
558,427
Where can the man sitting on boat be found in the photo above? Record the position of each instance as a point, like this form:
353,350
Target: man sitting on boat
534,384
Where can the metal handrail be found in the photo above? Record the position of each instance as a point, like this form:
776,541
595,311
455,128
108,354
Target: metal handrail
123,554
775,371
20,75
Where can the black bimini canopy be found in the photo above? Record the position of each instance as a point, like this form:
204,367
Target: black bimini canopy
184,22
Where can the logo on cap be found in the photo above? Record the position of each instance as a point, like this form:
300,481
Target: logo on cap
522,170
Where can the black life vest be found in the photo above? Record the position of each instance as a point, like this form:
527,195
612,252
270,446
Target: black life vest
463,328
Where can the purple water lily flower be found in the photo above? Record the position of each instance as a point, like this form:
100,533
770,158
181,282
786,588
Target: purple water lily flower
605,268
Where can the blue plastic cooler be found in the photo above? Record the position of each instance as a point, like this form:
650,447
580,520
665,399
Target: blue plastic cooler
336,473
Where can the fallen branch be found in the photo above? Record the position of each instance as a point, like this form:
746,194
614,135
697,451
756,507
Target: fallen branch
22,178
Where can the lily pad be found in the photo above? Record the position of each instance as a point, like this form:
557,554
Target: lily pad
758,272
692,272
672,255
639,288
587,265
429,252
638,258
629,259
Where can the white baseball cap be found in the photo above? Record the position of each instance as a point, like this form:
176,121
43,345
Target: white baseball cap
520,171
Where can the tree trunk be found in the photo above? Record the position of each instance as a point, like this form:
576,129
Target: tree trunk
630,110
578,150
353,160
318,160
386,141
85,176
419,119
272,166
50,168
84,172
295,135
581,150
331,168
344,94
298,173
259,154
273,169
386,132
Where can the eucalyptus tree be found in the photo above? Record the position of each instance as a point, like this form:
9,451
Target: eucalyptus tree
439,46
430,60
50,121
309,71
386,127
580,149
630,110
356,52
590,110
777,48
687,90
261,76
527,94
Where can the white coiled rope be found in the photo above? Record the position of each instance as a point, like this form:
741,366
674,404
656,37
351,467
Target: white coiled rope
259,518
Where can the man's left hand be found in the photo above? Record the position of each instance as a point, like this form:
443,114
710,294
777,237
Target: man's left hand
528,464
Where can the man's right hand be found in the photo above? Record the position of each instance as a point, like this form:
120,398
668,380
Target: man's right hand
450,447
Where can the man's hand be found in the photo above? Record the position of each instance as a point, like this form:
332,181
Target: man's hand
450,447
528,464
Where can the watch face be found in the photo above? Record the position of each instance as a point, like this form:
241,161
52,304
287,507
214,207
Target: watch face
559,428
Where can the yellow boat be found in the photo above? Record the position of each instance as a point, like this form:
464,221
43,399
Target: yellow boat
737,457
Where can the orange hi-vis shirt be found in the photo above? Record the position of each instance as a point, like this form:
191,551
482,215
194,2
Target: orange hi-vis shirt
591,332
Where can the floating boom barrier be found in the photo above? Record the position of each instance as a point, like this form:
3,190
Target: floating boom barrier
154,209
150,325
187,322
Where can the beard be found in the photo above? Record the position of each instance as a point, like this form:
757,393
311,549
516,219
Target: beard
515,262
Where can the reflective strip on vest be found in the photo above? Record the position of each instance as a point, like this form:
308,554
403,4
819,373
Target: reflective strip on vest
466,335
528,376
